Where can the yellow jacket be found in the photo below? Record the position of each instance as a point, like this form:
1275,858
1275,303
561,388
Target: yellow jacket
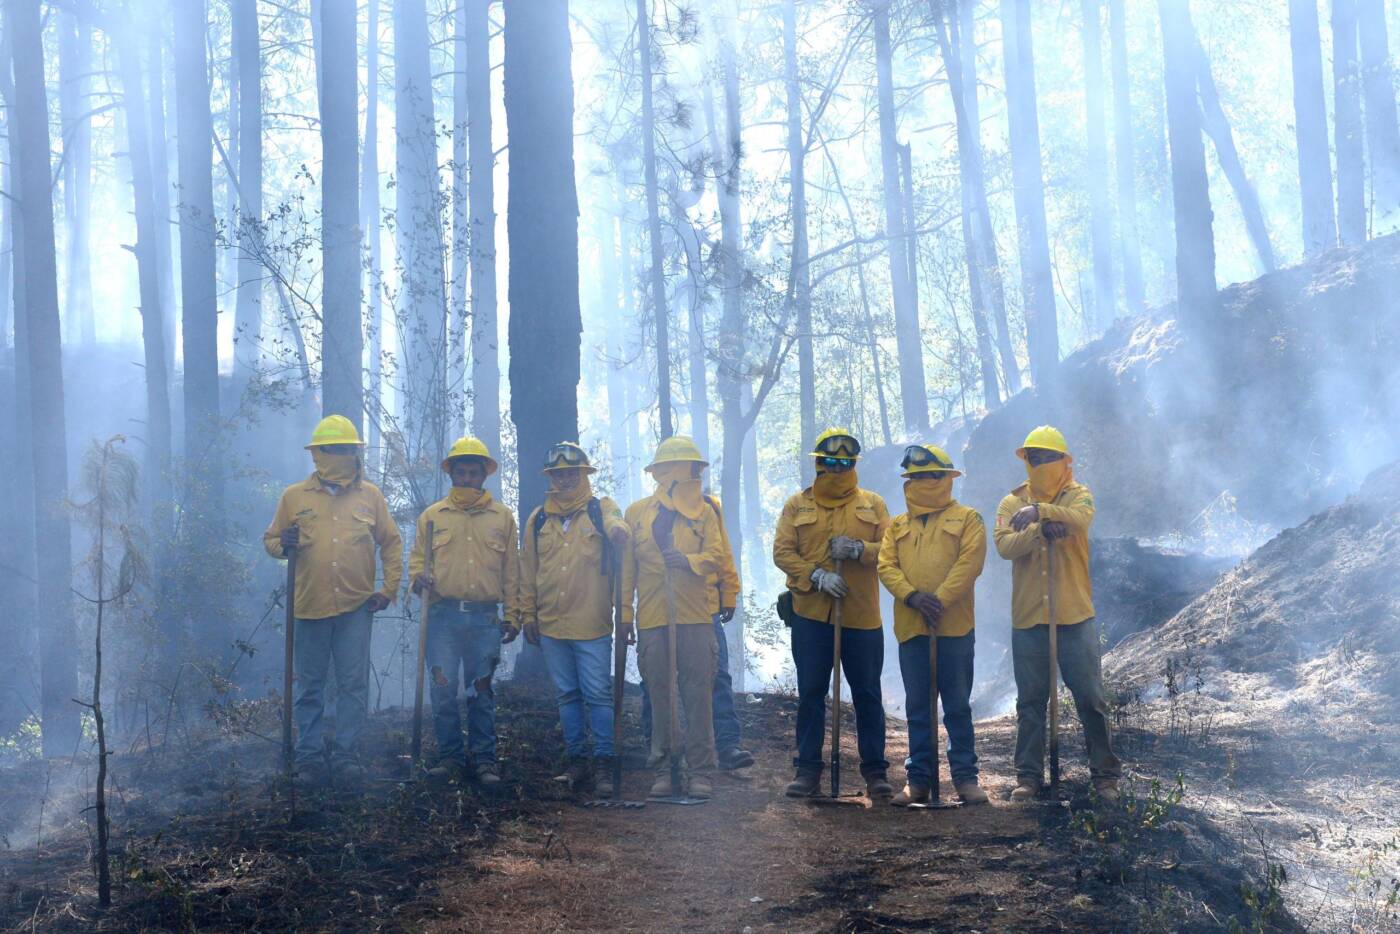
727,580
339,534
1026,550
800,545
703,543
476,556
563,585
941,554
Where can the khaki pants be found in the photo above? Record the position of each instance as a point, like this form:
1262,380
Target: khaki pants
696,657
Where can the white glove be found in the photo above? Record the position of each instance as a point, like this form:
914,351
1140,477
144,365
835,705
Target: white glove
830,583
844,548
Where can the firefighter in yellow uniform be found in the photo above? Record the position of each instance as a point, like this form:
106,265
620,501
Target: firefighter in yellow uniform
930,560
572,544
834,520
1053,511
335,520
475,579
674,559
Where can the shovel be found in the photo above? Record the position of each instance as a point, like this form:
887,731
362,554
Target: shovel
619,683
1054,674
415,760
836,797
678,793
288,755
935,801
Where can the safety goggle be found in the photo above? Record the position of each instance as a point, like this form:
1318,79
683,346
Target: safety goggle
916,456
566,455
839,446
843,463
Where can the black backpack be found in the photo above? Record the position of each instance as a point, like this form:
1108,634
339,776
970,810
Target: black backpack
595,515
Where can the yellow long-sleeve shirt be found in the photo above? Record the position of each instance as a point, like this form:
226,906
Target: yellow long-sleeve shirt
339,533
702,542
476,555
800,545
563,585
940,554
1027,550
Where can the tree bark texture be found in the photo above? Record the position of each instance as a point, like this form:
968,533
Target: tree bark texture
485,350
1346,84
1125,162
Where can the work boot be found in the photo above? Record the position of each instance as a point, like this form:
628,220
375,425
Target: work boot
1107,790
735,757
661,787
578,773
878,788
1027,789
700,786
912,794
603,769
805,784
445,771
488,774
971,793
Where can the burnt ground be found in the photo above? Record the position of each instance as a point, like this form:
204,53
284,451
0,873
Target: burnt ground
205,839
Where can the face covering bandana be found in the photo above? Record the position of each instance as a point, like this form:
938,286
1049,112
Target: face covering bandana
927,496
465,497
1049,480
568,502
336,469
834,489
677,490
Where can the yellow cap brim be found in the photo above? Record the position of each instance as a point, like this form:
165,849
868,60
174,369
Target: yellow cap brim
589,468
491,465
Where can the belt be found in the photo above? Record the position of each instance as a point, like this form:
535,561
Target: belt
469,606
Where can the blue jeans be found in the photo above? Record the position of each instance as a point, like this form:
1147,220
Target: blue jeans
316,641
581,672
465,644
862,658
954,692
728,733
1078,650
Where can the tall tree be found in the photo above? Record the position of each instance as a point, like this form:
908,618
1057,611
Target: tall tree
1096,165
1195,238
247,315
157,26
660,312
481,193
370,225
1217,126
342,334
1037,282
422,311
610,287
913,394
75,105
1382,130
1346,85
1125,161
30,147
461,213
1310,128
801,285
542,231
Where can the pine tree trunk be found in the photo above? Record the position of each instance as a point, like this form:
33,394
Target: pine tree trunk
801,275
461,224
370,221
1310,128
247,316
1125,162
1195,239
757,572
1346,83
660,311
30,147
486,367
1100,207
1382,130
1217,126
912,390
611,307
1037,282
157,26
342,334
75,69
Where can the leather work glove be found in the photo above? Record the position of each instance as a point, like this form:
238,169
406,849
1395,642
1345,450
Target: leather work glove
929,606
845,548
376,603
726,613
830,583
508,631
675,560
1024,517
532,633
1053,530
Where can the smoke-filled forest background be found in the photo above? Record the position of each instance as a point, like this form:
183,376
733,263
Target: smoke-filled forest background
743,220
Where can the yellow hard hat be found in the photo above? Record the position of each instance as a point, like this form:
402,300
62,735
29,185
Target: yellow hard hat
1047,438
566,455
334,429
469,447
836,442
677,449
922,459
